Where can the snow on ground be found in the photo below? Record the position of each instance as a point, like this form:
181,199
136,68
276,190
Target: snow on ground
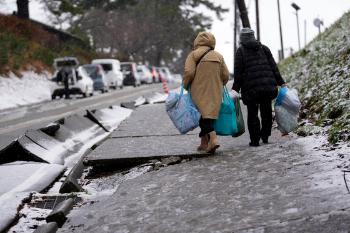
157,98
31,88
30,219
43,176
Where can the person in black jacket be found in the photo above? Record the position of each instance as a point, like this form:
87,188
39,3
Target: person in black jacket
257,76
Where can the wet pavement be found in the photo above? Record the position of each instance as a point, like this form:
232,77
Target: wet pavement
283,186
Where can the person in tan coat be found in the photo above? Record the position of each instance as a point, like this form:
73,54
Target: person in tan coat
205,76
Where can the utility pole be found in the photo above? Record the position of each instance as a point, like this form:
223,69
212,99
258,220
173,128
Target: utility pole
244,13
281,37
297,8
257,19
235,26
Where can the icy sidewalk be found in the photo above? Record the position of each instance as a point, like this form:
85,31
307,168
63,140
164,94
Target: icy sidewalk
289,185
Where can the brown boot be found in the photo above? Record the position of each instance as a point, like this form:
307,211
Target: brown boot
213,143
204,143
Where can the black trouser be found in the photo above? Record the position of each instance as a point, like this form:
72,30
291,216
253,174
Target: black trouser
206,125
66,89
255,131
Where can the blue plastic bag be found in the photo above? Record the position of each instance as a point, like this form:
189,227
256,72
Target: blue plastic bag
182,111
226,124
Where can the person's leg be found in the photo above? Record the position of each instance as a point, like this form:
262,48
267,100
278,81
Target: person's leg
266,120
213,143
253,124
203,124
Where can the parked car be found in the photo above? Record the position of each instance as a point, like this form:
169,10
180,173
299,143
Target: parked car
155,75
113,73
98,77
131,77
177,78
161,74
145,74
79,80
168,76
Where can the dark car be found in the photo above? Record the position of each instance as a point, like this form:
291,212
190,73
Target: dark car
131,77
98,76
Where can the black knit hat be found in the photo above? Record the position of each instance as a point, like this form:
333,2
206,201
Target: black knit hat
246,35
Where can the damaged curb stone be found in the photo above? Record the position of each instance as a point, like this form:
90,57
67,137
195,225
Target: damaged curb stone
71,184
50,227
60,212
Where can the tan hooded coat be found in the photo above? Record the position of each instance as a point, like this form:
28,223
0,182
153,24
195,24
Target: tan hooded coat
207,81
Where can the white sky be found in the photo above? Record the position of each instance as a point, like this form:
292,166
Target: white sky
329,11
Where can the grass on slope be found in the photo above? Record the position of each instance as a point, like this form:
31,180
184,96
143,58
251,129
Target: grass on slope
24,45
321,74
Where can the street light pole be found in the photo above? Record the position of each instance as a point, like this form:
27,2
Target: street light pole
281,37
257,19
297,8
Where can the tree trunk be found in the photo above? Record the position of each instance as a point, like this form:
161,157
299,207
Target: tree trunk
244,13
23,9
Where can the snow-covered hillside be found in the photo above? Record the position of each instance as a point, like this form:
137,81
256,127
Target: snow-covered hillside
31,88
321,73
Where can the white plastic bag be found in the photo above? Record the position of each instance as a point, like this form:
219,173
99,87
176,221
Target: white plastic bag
286,121
287,110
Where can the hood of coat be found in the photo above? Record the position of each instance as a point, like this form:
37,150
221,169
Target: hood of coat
203,42
204,39
252,44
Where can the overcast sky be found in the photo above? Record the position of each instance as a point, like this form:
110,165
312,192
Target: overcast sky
328,10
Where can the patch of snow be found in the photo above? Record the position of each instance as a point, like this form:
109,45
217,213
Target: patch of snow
140,101
112,117
9,203
30,219
31,88
157,98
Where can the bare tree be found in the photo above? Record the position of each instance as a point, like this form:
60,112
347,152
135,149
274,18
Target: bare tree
23,9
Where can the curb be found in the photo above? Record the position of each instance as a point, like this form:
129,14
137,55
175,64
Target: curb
71,184
59,213
51,227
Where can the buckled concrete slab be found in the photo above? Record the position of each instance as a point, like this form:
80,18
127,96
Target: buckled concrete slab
23,149
51,129
42,139
50,227
71,184
143,122
77,123
129,105
91,115
132,150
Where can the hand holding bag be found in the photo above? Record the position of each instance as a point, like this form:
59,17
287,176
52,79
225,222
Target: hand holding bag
239,117
226,124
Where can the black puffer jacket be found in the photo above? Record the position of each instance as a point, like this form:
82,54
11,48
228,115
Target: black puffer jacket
256,73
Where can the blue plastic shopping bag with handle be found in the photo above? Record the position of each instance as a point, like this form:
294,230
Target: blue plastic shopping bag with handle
182,111
226,124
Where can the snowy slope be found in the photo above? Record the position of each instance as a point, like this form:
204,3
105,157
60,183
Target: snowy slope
31,88
321,73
